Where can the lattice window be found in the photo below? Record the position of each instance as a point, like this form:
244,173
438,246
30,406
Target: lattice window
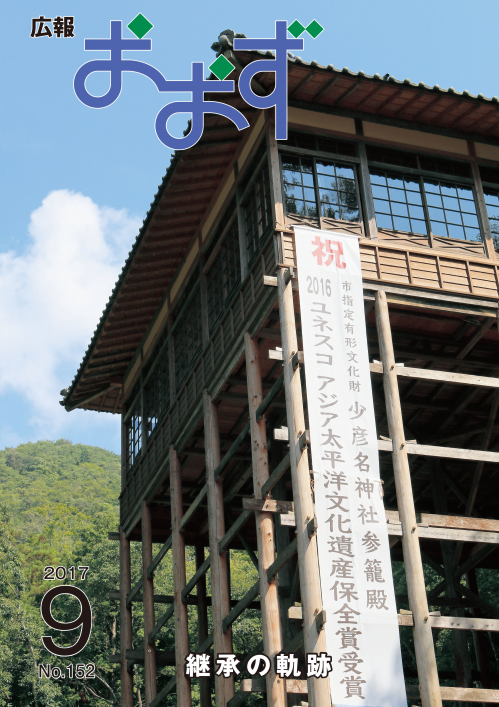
224,276
398,202
452,210
399,205
133,437
257,211
187,335
492,202
157,391
315,186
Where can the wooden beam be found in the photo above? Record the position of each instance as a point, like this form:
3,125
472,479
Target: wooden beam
462,623
314,640
200,572
233,531
457,694
265,530
231,454
446,521
423,639
443,452
242,605
179,581
477,530
150,652
276,475
92,396
224,687
269,505
266,402
443,376
164,692
451,622
296,687
282,559
161,554
137,656
475,338
162,621
193,507
126,622
414,692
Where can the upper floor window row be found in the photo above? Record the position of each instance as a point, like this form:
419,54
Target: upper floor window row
187,335
420,205
224,275
317,187
257,210
157,389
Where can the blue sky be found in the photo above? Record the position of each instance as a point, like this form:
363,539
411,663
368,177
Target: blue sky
76,182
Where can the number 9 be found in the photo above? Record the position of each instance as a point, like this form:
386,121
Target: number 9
84,620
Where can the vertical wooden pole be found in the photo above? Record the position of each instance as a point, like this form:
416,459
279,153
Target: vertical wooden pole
149,648
479,640
459,640
265,532
125,621
423,640
202,608
365,180
124,452
275,178
179,582
315,642
480,199
224,687
282,540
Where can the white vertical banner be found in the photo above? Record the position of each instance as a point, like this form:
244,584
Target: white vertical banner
362,632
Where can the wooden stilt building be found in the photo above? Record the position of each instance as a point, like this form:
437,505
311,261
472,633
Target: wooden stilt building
199,351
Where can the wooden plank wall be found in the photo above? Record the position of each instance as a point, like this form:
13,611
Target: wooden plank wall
432,269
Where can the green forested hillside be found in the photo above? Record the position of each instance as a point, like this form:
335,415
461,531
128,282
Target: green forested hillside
58,502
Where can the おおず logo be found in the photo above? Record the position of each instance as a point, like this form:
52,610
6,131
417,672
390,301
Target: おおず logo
197,85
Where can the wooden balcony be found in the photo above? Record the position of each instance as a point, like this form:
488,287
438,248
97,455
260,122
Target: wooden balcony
447,265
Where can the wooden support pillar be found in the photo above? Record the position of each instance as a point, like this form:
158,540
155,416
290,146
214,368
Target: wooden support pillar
179,582
275,178
125,621
365,180
479,639
265,531
202,609
459,639
224,687
423,640
148,592
314,641
480,199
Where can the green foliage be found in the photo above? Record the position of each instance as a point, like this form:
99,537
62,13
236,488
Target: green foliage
62,500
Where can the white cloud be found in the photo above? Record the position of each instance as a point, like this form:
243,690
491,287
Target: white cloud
52,296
